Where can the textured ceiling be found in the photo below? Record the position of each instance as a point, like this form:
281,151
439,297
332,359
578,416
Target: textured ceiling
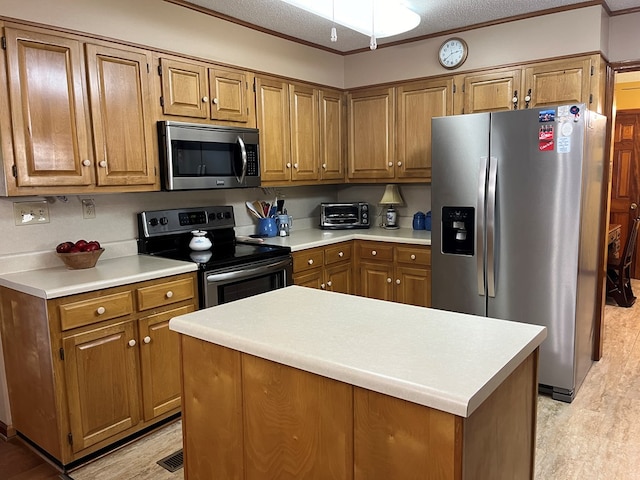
437,16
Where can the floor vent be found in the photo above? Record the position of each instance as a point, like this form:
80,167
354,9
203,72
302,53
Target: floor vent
173,462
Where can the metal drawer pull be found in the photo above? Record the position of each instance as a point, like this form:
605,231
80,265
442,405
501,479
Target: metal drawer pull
147,339
169,294
132,343
101,310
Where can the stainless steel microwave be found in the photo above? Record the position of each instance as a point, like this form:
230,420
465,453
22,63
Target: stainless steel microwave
338,216
197,156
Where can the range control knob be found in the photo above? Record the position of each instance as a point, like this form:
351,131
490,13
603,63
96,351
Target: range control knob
153,222
227,215
220,215
164,221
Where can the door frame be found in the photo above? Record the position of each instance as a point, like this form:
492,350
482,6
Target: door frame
612,69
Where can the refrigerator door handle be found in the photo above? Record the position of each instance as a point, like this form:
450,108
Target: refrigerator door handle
491,226
480,252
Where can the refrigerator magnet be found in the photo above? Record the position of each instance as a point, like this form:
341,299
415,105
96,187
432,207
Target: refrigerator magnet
566,129
564,145
546,145
545,132
547,116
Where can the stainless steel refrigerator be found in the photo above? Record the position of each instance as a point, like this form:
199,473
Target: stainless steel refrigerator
516,213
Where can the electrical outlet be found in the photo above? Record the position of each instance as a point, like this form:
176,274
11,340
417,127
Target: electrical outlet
88,208
31,213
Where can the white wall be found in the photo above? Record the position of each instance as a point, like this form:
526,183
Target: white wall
624,38
553,35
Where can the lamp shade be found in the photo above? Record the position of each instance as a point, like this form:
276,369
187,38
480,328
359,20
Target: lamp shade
391,196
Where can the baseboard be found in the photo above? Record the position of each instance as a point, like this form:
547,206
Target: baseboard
7,431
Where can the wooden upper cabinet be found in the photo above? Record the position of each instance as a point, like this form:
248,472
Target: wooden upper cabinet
229,92
371,134
206,91
49,110
418,103
493,91
124,144
558,82
303,115
272,111
184,89
332,134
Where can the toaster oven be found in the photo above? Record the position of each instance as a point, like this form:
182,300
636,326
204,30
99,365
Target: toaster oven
337,216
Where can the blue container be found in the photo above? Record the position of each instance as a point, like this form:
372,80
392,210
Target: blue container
267,227
427,221
418,221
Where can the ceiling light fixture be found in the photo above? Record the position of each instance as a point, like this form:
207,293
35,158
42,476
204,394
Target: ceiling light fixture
391,16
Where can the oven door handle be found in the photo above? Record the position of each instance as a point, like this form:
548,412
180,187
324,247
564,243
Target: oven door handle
248,272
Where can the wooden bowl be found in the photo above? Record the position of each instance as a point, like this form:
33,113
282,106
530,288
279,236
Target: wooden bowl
78,260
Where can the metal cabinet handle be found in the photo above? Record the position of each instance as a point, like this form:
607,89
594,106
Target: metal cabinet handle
101,310
147,339
169,294
132,343
86,163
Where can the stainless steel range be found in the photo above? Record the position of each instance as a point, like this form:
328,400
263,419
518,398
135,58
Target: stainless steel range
229,270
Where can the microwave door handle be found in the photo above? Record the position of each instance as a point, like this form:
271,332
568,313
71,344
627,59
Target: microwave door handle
243,154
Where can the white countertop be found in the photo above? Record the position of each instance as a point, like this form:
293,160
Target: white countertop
448,361
61,281
315,237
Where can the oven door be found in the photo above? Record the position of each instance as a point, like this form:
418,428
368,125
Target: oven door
245,281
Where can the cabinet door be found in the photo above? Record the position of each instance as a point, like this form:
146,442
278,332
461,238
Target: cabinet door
371,134
553,83
49,111
121,116
413,286
229,92
376,281
272,110
418,103
101,373
303,114
159,354
332,135
310,278
493,91
339,278
184,89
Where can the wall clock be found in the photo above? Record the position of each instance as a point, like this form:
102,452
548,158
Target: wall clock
452,53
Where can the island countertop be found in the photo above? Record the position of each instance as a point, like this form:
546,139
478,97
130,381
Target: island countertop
448,361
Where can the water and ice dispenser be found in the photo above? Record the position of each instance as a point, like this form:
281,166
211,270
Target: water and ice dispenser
458,227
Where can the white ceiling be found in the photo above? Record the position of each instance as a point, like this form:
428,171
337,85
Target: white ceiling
437,16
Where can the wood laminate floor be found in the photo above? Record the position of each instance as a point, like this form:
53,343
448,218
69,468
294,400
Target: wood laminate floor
597,437
18,462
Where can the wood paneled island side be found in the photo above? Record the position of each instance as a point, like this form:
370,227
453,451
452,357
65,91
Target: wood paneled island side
301,383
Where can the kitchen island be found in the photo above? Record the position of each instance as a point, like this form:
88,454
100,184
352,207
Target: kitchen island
301,383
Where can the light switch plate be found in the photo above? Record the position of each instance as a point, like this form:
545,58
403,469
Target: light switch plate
31,213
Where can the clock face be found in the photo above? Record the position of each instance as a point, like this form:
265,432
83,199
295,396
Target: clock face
452,53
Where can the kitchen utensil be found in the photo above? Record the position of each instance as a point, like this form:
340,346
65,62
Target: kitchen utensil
259,208
252,210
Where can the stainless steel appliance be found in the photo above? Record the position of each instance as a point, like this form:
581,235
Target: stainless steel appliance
229,270
197,156
516,202
336,216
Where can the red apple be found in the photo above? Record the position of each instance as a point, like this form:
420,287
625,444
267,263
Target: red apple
91,246
75,249
64,247
80,244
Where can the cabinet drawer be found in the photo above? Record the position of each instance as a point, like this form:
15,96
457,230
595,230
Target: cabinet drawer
86,312
376,251
413,255
165,293
337,253
308,259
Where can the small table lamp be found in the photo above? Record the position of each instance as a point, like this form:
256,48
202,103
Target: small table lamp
391,197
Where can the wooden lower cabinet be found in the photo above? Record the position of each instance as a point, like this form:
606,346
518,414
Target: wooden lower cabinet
87,370
272,421
326,268
394,272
